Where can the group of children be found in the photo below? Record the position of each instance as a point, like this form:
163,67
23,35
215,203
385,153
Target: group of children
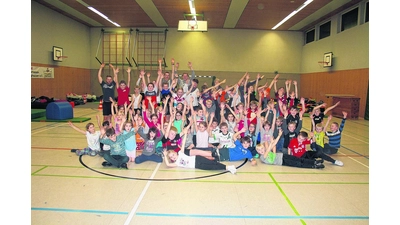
171,120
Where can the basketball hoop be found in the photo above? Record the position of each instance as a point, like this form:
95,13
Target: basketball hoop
60,58
323,64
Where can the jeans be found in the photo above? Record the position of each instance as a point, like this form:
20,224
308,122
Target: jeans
116,160
142,158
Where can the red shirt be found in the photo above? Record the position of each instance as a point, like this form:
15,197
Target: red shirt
298,149
123,96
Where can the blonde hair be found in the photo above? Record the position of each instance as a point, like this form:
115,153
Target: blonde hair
259,147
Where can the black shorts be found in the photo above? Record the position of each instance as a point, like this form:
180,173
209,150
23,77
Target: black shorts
106,108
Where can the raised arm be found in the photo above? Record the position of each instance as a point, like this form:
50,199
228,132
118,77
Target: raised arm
99,73
326,124
76,128
129,77
115,72
235,136
241,79
287,85
295,89
330,108
193,75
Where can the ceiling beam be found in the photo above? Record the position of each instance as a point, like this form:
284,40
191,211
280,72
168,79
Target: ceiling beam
333,5
73,12
152,11
235,11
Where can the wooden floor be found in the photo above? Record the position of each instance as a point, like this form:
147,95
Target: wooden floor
66,189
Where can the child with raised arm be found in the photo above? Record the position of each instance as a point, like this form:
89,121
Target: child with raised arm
239,152
92,138
334,136
183,159
117,156
123,88
318,134
297,147
149,148
318,115
130,143
268,155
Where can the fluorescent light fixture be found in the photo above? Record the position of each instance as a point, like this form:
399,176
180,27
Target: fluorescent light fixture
293,13
192,8
99,13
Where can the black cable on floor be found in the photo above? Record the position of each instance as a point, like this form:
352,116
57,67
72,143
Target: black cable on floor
175,179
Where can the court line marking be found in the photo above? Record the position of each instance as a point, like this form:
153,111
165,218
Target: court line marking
202,216
139,200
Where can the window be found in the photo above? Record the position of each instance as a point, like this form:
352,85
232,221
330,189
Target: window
325,30
349,19
367,12
310,36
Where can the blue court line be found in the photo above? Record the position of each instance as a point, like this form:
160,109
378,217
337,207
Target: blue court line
204,216
80,211
253,217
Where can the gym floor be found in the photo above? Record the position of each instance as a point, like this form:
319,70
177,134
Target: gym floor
68,189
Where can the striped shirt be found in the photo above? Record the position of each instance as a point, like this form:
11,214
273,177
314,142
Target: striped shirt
335,137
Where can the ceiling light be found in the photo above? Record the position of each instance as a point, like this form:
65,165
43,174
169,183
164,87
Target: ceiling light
293,13
98,13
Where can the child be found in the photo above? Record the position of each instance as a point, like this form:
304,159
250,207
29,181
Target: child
104,148
318,134
171,139
119,118
130,143
117,156
180,159
273,158
334,136
123,89
214,130
297,147
290,130
318,116
225,137
294,113
137,101
239,152
149,148
92,138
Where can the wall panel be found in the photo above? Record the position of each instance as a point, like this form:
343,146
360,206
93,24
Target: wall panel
66,80
352,82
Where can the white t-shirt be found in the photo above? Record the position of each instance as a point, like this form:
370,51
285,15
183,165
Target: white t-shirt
194,95
185,161
93,140
226,140
214,136
202,139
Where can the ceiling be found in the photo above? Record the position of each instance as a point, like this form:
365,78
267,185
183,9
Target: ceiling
219,14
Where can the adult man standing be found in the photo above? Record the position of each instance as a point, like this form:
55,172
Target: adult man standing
108,89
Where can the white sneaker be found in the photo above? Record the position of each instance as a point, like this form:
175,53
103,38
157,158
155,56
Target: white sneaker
338,163
231,169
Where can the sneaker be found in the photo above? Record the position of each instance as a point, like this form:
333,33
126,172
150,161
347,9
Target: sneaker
231,169
74,150
317,161
257,156
92,153
79,152
105,163
319,166
338,163
123,165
